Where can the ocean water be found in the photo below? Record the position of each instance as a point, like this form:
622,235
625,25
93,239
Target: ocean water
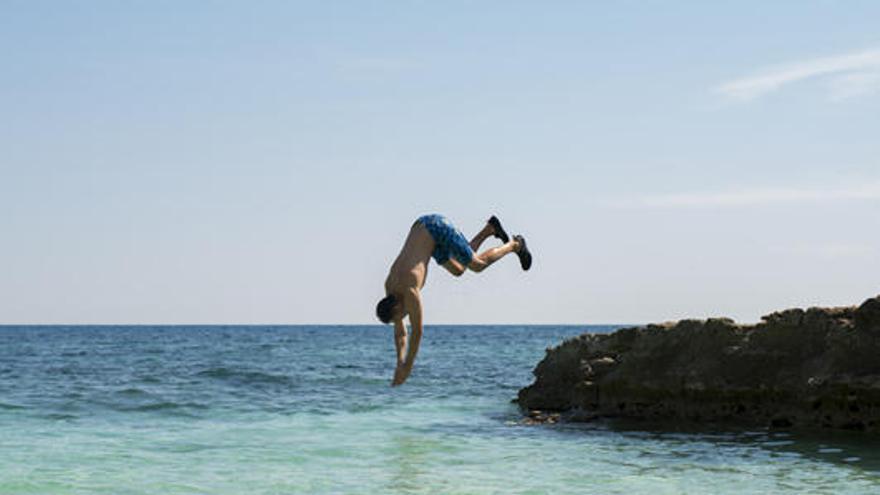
277,410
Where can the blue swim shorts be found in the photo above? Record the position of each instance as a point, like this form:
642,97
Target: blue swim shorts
449,241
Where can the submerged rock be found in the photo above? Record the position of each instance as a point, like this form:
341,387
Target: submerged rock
816,367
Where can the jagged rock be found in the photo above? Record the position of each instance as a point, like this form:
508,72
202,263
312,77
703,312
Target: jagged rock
814,367
868,315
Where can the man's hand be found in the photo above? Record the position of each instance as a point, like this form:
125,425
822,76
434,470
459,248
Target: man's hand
400,375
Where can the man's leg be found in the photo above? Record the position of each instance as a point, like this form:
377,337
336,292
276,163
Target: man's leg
481,236
493,228
483,260
458,269
479,262
454,267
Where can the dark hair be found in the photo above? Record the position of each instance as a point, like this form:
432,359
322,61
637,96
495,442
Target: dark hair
385,307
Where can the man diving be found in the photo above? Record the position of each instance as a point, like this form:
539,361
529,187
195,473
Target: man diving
435,236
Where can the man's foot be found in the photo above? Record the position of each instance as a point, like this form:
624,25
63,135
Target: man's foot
399,377
498,230
525,256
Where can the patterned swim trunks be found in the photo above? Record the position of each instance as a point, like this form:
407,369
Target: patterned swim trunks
450,242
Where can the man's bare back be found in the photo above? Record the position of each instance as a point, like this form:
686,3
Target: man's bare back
434,236
410,269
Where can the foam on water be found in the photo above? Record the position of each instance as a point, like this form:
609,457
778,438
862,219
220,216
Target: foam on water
309,410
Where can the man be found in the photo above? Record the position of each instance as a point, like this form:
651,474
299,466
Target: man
434,236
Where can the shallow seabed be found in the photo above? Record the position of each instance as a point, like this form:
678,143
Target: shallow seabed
127,410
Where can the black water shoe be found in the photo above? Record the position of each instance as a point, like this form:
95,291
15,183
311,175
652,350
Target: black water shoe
525,256
499,230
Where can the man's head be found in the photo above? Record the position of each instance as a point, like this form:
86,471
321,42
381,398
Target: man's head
385,308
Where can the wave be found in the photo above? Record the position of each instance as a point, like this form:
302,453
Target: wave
63,370
60,417
74,353
366,408
132,392
163,406
244,376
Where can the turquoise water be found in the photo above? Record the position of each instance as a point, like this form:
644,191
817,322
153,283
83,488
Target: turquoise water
126,410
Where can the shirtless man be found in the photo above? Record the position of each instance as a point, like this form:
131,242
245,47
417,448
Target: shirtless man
434,236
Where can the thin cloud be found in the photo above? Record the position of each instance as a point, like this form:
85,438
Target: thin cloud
829,251
850,75
853,85
375,66
750,197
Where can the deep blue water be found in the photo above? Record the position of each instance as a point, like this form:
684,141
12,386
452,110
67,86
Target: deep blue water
214,409
80,372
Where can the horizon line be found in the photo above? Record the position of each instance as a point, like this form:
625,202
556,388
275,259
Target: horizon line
304,324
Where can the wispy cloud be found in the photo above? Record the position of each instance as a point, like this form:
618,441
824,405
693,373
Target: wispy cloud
855,84
374,66
750,197
829,251
849,75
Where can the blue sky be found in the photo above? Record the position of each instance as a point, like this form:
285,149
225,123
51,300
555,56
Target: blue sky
224,162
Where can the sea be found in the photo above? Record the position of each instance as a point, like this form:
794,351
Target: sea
309,410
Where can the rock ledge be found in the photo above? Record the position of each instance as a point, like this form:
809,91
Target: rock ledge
818,367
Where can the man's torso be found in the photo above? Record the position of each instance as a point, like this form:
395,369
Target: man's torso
410,269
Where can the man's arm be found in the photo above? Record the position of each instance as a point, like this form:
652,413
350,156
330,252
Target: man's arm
400,344
413,303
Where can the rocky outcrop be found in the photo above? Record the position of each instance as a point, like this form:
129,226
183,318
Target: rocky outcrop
815,367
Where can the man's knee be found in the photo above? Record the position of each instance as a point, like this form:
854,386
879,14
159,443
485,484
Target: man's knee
477,265
454,269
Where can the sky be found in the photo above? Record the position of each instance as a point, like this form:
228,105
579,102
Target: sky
262,162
